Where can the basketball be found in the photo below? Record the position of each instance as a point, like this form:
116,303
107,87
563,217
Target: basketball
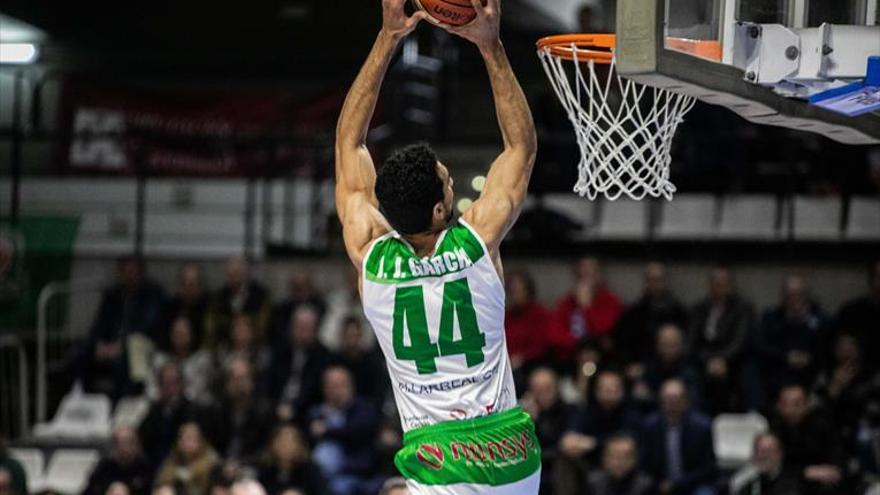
452,12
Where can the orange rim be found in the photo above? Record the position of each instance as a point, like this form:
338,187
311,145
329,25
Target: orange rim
595,47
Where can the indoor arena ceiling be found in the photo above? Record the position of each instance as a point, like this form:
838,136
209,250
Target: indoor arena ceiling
257,37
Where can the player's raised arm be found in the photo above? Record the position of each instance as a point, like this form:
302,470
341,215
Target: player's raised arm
507,183
355,172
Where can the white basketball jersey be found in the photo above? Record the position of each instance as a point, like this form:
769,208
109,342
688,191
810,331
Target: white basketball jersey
440,323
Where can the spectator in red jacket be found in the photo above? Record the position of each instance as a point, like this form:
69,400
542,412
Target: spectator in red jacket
587,314
526,322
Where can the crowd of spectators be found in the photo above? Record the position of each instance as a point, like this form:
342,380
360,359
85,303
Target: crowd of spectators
294,393
624,395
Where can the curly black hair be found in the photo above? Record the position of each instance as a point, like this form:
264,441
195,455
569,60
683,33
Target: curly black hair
408,187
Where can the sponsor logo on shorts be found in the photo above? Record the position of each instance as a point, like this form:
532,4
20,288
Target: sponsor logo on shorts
431,455
512,448
506,451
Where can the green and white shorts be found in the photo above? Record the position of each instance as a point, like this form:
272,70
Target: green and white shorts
492,455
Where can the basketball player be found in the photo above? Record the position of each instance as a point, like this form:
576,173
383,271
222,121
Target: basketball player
431,288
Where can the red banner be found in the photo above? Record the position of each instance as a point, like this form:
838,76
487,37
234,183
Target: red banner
120,131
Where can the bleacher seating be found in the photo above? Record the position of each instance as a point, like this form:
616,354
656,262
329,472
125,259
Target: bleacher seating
816,219
689,216
864,220
733,435
80,416
748,218
623,220
34,463
67,472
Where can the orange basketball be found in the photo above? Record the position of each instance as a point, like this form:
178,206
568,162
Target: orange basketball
454,12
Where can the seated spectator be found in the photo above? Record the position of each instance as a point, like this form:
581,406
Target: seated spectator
766,473
525,323
342,303
861,315
343,430
126,464
287,466
639,323
603,417
171,409
720,326
366,364
243,344
676,445
550,415
239,425
197,365
811,442
587,314
620,474
791,336
13,479
302,291
589,428
190,465
669,361
296,369
132,306
239,295
846,387
189,301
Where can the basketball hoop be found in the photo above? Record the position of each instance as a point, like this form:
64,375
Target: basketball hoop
624,129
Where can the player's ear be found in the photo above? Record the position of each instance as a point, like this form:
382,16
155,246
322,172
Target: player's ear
439,211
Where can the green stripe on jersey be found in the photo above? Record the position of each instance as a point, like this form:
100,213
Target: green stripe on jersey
392,260
493,450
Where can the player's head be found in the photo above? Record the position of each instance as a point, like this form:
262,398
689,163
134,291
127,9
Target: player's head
415,190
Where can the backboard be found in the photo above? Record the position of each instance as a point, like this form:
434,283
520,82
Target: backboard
770,61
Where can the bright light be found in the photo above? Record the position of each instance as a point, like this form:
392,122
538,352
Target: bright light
464,204
589,368
478,183
17,53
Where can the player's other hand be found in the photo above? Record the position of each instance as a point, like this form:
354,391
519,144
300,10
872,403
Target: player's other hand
484,30
395,22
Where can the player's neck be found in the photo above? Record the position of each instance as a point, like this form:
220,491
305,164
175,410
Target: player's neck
423,244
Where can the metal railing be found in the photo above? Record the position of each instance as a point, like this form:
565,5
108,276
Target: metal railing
14,414
50,341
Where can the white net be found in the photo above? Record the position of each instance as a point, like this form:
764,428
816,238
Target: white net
624,129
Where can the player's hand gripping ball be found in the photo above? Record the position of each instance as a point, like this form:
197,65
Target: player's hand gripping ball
451,12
